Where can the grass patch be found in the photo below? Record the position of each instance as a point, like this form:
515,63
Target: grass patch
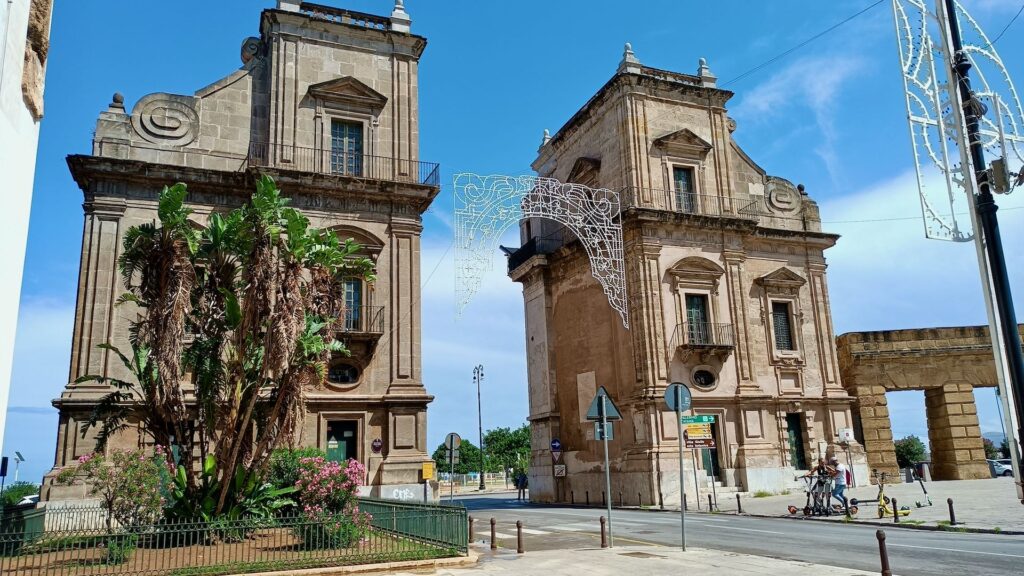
945,526
912,522
763,494
997,529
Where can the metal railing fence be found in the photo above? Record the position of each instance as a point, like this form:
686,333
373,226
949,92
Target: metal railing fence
83,546
698,204
363,319
703,334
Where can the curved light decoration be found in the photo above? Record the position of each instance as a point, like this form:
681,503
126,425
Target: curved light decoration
933,126
485,206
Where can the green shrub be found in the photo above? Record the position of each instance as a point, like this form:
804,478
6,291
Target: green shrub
120,548
763,494
284,465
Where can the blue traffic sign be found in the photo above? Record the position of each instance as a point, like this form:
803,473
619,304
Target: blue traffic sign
678,398
556,445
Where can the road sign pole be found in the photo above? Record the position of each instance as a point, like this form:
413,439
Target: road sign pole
451,475
696,487
713,457
682,475
607,469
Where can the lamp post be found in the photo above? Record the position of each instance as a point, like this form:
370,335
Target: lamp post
478,376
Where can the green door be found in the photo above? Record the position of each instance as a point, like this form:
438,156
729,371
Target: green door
709,456
686,197
697,325
795,434
341,440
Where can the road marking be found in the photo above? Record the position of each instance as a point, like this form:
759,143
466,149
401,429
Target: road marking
956,550
744,529
535,532
503,535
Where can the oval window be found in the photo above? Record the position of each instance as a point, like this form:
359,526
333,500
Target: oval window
704,378
342,374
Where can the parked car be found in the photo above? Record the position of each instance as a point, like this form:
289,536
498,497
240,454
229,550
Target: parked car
999,469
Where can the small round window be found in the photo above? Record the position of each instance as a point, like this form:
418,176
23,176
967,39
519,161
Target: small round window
342,374
704,379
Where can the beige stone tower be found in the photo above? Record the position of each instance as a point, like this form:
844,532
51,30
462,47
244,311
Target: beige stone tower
325,102
727,292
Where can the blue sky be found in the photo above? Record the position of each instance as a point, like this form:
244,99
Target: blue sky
493,77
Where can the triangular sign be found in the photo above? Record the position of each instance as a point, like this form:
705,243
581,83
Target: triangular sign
611,411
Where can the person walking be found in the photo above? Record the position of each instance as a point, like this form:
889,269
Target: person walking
521,484
838,472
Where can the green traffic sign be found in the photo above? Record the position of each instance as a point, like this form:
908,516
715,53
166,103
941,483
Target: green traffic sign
700,419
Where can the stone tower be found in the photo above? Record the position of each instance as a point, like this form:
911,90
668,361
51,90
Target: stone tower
326,102
726,289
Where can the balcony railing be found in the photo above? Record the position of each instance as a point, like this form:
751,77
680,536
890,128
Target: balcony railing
342,16
327,161
701,334
739,206
362,320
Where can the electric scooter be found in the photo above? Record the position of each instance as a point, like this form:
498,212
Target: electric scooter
919,504
884,503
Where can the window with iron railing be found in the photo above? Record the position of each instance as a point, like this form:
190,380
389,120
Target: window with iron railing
782,324
346,148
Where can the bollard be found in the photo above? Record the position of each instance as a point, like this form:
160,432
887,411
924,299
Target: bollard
895,512
639,500
685,506
470,528
588,497
604,535
952,516
519,537
494,541
710,509
739,507
620,499
882,553
572,497
602,498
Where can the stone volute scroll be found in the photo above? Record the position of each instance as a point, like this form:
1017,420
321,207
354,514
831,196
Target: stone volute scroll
168,119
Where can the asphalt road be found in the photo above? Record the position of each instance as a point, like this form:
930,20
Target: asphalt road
911,552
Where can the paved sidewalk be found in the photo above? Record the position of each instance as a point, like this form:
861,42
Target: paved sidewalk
639,560
986,504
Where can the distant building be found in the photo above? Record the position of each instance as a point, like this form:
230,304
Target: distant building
24,47
326,102
727,292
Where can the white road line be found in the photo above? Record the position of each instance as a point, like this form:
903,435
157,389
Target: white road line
503,535
744,529
955,550
535,532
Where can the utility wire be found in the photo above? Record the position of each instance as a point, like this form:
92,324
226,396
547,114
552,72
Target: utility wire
802,44
1007,27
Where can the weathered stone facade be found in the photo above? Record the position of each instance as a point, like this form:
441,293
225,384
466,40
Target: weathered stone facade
312,70
721,258
948,364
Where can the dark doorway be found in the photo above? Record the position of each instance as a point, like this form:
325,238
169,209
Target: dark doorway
709,456
795,435
342,440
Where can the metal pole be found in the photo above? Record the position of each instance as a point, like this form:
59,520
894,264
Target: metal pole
682,475
451,474
714,458
985,208
478,375
607,470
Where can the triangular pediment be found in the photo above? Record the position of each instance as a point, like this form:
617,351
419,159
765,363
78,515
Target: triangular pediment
349,90
694,265
683,140
782,278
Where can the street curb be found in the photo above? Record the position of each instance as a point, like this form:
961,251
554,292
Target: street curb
384,567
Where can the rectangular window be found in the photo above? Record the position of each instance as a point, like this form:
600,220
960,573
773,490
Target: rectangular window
346,148
783,326
686,192
353,305
698,329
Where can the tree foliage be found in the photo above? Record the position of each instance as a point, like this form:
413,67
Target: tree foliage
1004,448
909,450
235,323
991,452
13,493
508,448
126,482
469,458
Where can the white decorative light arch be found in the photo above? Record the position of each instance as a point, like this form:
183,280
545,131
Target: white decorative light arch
485,206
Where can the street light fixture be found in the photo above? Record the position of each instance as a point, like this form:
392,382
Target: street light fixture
478,376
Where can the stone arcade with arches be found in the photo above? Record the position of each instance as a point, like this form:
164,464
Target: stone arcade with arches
326,102
725,290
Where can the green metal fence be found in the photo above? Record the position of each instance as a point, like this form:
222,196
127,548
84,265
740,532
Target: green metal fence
77,541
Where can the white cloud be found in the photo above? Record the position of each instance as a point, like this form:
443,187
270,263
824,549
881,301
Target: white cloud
813,83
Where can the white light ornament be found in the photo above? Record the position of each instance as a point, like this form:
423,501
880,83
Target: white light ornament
944,175
486,206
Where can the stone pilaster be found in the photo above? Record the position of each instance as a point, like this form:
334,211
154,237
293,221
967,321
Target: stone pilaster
647,316
740,318
954,434
824,341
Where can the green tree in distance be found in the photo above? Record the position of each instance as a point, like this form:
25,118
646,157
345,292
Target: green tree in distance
469,458
991,452
909,450
508,448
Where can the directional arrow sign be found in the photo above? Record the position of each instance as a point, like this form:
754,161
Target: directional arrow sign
556,445
701,419
611,411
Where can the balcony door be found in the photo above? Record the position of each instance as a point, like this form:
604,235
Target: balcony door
346,148
698,327
353,304
686,194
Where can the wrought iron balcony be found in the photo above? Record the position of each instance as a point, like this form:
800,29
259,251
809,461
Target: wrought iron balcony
362,320
738,206
703,335
342,16
327,161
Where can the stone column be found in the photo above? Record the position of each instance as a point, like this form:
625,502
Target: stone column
874,417
739,315
954,435
646,313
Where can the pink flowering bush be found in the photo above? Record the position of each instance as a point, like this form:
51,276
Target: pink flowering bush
327,499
